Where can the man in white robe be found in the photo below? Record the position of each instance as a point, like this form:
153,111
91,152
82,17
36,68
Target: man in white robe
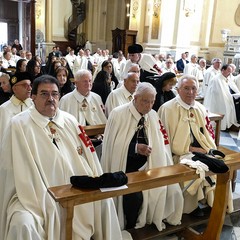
192,68
117,64
147,63
35,156
80,62
19,101
218,98
202,70
121,128
7,61
169,67
232,79
210,73
71,57
189,130
122,95
85,105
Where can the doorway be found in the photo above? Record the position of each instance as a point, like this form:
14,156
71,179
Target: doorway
3,35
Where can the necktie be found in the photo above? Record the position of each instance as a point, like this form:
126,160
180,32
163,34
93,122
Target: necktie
194,141
52,128
84,104
141,132
84,109
130,98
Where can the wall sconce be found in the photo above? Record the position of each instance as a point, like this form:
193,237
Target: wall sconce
224,33
38,10
156,8
189,7
128,10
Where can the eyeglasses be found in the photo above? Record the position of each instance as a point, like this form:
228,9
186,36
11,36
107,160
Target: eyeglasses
46,95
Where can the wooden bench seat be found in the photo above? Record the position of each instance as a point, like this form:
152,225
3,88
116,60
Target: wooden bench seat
94,129
69,196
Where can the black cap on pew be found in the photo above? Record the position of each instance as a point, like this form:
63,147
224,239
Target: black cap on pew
106,180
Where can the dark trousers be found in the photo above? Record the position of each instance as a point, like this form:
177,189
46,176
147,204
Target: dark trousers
131,205
133,202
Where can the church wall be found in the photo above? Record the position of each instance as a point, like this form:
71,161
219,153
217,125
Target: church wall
61,11
197,32
103,16
223,18
161,28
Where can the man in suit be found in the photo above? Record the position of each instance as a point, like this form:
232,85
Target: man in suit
181,63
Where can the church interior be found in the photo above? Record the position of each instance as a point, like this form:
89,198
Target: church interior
160,26
208,28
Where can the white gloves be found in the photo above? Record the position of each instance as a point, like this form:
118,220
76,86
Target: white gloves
200,167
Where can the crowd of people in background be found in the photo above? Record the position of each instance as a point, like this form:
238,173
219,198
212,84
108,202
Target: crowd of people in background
110,70
152,91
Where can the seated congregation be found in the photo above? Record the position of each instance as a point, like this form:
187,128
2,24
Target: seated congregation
151,123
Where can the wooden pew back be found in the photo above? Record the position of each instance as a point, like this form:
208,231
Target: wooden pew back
69,196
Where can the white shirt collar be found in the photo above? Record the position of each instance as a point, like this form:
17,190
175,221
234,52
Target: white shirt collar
43,121
80,97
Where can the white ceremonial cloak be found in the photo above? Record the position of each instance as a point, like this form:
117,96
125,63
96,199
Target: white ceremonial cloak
176,117
218,99
70,59
159,203
80,63
209,74
30,163
117,98
9,109
147,63
232,83
192,69
93,113
237,81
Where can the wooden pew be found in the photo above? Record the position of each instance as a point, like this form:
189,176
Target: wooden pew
94,129
99,129
217,118
68,196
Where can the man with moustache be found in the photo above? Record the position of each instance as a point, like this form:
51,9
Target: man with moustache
44,147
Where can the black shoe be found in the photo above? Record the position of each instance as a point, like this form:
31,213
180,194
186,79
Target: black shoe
198,212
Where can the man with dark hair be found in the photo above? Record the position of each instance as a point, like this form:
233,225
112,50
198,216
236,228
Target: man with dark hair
218,97
44,147
182,62
147,63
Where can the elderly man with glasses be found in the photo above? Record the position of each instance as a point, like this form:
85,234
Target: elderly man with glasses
19,101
